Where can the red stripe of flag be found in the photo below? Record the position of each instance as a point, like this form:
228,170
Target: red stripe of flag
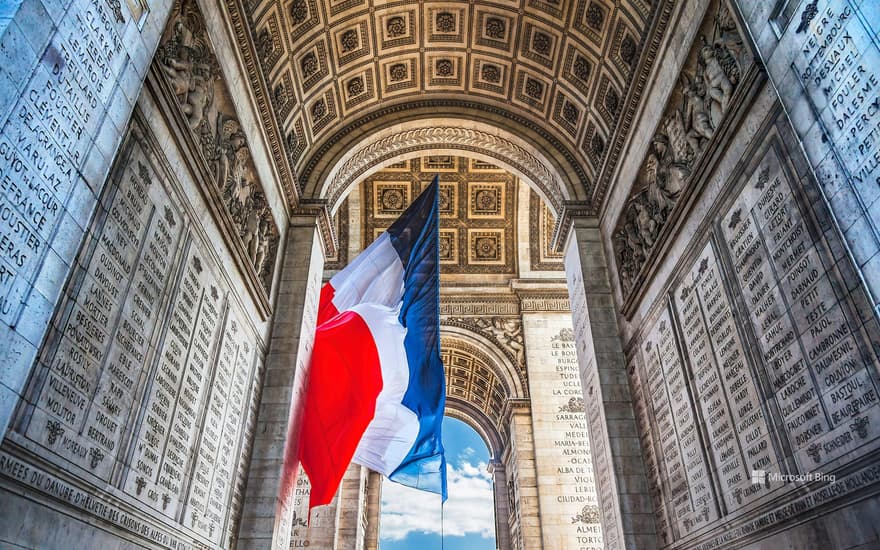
340,398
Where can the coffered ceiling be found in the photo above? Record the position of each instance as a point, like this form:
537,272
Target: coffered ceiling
561,69
477,210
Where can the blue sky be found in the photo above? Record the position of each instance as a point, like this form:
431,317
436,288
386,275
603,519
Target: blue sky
411,519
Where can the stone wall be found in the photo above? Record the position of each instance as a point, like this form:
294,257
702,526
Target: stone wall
135,332
145,386
69,78
751,338
566,488
822,57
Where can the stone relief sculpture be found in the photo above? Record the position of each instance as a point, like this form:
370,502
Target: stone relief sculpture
507,331
589,515
187,61
574,405
695,111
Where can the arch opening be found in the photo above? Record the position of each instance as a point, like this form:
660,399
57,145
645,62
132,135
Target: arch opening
412,519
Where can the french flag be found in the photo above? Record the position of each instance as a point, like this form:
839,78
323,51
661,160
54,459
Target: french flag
376,389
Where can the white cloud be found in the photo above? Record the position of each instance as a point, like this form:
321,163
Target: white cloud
469,508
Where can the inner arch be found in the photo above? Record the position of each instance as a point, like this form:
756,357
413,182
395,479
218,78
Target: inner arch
412,519
470,138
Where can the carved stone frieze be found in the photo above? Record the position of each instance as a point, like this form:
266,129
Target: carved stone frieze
544,302
697,107
470,305
507,332
187,61
448,137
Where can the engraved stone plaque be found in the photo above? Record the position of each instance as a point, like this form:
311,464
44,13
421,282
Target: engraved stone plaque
84,402
43,146
781,367
649,451
836,65
217,449
811,353
693,499
724,385
176,391
146,381
566,485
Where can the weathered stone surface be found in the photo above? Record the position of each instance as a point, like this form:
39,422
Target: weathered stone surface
143,385
823,57
566,484
778,375
62,104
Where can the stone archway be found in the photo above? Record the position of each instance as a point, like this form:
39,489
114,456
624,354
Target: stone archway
480,383
447,136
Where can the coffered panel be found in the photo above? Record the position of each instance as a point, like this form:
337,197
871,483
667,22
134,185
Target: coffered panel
477,203
506,55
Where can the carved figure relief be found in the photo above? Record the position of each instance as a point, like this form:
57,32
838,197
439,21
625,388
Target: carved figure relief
187,60
695,111
507,331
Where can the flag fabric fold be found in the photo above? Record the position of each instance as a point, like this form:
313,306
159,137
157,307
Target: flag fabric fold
376,389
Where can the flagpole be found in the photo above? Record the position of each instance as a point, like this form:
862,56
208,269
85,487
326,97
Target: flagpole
437,259
442,528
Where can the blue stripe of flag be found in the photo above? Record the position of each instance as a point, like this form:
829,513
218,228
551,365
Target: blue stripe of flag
415,236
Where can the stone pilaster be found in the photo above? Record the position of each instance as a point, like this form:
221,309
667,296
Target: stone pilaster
524,482
502,508
266,520
566,486
350,509
625,505
374,505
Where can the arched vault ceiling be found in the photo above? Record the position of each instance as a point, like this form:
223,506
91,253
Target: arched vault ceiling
326,71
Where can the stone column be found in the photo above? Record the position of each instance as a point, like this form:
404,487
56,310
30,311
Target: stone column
374,510
502,508
625,504
566,486
350,509
521,463
266,521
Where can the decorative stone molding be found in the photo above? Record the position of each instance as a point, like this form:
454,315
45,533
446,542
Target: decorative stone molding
544,302
542,256
326,227
516,405
470,305
649,48
570,210
445,137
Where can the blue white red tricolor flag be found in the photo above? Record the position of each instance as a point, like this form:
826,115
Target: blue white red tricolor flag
376,389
